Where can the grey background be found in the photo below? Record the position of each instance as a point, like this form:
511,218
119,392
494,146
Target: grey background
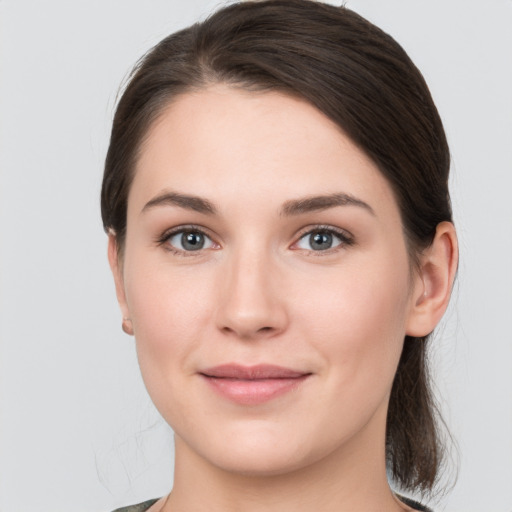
78,431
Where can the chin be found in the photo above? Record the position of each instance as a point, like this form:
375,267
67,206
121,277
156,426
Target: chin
262,464
261,454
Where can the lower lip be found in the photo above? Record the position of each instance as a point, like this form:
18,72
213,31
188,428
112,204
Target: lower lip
253,392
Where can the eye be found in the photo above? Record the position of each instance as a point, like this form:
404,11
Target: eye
187,240
323,239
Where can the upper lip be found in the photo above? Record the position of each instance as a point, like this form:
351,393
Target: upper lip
256,372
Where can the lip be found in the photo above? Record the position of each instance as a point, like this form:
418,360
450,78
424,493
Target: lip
252,385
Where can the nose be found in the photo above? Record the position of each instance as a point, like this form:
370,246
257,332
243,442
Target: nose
251,303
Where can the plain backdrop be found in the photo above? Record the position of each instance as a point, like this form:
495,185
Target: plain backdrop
78,431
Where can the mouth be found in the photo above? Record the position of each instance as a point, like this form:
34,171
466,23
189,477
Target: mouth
252,385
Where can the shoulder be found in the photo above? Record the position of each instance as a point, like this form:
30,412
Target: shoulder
141,507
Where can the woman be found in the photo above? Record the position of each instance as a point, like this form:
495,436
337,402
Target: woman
280,235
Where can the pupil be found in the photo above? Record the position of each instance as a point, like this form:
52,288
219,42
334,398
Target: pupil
321,241
192,241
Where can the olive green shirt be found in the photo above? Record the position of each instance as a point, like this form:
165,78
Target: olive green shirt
142,507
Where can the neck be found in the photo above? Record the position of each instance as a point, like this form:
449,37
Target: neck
352,479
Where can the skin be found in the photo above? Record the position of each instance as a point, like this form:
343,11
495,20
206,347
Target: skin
258,293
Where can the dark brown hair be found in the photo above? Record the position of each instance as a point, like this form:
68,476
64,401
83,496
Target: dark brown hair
359,77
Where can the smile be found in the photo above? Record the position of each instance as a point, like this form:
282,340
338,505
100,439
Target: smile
252,385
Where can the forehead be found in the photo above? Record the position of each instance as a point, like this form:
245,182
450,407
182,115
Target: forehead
237,145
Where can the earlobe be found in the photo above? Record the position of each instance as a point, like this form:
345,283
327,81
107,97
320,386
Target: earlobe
432,290
117,273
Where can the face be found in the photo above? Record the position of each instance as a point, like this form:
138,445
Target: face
267,280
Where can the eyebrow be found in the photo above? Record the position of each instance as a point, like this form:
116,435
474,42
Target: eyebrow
290,207
195,203
324,202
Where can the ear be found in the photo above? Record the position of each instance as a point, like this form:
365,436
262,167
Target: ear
117,272
433,282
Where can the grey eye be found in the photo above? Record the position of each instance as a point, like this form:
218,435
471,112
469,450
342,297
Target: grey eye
320,240
190,241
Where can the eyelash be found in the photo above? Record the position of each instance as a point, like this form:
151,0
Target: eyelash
167,235
345,238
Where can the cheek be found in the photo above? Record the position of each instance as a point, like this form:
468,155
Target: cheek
169,309
358,323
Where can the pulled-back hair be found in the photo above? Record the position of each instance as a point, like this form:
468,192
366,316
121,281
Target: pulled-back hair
360,78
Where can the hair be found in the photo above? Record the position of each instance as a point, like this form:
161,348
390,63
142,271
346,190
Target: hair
362,79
